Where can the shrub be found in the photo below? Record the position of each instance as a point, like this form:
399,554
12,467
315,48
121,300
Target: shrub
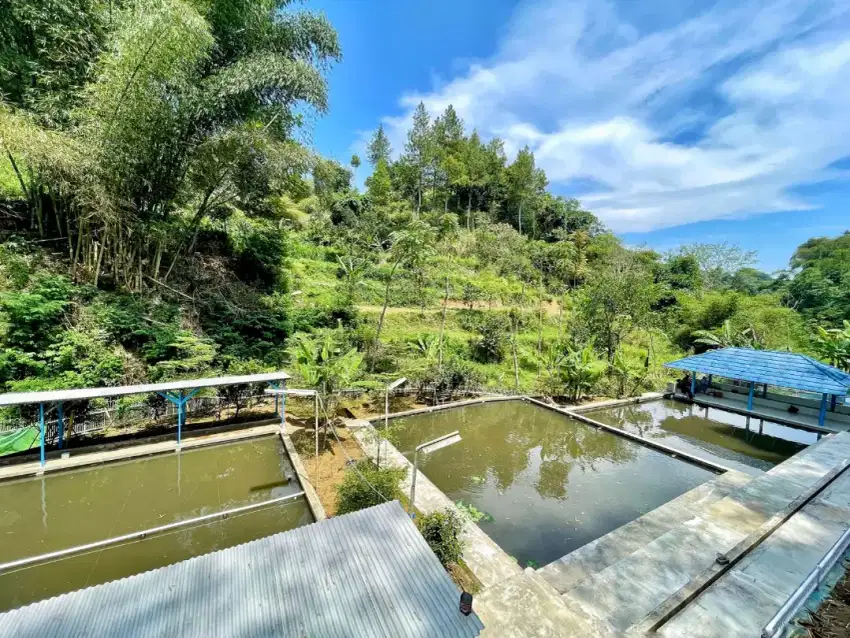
491,344
442,532
354,493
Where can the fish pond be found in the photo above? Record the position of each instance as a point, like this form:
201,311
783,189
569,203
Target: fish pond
68,509
544,484
733,440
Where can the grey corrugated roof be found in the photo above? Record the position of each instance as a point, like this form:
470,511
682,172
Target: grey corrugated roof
54,396
369,573
782,369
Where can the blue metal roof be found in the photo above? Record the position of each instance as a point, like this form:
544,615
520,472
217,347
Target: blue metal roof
782,369
369,573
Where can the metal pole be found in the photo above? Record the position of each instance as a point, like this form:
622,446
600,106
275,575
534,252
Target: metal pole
60,415
180,408
410,506
41,426
822,415
316,426
750,397
693,383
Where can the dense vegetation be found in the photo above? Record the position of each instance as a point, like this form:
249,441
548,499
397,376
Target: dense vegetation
161,218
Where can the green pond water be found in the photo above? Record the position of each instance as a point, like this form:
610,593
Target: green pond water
724,437
551,484
72,508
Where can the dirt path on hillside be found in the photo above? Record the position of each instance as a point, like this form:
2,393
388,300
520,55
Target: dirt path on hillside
551,307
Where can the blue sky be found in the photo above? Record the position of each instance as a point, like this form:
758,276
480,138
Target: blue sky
673,120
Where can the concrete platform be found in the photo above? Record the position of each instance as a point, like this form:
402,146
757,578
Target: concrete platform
629,576
525,605
567,572
82,457
744,599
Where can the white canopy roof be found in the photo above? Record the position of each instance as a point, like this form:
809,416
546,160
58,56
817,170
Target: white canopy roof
55,396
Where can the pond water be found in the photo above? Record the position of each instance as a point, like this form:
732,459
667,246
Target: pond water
551,484
67,509
724,437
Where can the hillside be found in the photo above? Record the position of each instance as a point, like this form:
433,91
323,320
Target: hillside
161,218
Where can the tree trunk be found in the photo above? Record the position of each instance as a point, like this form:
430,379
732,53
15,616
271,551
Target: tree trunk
442,328
516,363
539,332
384,309
519,217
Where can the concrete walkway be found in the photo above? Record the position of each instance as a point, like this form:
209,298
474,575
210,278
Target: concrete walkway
746,597
635,576
82,457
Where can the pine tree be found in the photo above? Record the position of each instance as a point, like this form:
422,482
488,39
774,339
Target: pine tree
379,147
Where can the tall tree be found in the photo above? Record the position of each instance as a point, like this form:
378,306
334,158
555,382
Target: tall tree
189,111
524,181
379,147
418,152
379,184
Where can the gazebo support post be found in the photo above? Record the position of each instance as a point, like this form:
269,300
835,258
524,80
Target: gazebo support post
822,415
180,400
832,402
693,382
60,419
41,429
750,396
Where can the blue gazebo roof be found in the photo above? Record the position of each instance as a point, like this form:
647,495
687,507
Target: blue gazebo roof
783,369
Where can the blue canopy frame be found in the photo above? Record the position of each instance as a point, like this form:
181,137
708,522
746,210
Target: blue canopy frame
767,367
178,392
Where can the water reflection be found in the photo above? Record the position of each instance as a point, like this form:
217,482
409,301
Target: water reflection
551,483
724,437
72,508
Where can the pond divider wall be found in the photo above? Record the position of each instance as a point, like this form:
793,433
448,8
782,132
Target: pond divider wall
97,455
660,447
574,414
489,562
310,493
142,534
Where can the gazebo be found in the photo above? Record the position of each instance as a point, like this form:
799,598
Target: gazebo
770,368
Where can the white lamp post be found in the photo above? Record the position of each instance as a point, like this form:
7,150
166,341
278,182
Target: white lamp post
426,448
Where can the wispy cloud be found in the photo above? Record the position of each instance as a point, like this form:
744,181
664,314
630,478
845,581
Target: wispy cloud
715,114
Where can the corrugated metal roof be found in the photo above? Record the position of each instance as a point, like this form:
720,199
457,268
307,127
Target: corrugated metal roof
369,573
54,396
783,369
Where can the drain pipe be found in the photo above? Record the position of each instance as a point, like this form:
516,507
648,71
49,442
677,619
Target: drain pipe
777,625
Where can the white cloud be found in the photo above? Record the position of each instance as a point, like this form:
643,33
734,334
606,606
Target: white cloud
599,96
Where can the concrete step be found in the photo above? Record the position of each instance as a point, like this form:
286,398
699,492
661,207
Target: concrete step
574,568
525,605
625,592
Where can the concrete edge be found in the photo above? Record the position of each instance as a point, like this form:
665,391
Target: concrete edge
653,621
132,440
489,562
445,406
660,447
300,471
755,415
646,397
89,458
